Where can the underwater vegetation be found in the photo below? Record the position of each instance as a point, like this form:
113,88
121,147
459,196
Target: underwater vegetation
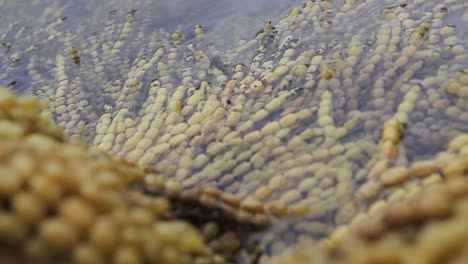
336,133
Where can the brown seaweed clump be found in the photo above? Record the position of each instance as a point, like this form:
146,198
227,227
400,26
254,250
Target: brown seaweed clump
64,202
429,228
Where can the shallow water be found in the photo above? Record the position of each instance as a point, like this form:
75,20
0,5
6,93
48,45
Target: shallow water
225,21
323,169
